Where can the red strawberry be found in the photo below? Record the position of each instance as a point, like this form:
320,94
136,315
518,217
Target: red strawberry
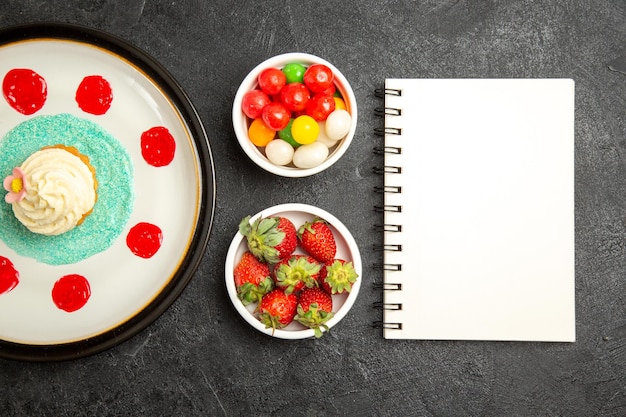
252,279
270,239
337,276
297,272
277,309
318,240
315,308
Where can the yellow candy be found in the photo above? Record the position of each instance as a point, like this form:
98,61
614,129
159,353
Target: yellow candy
339,103
305,129
260,134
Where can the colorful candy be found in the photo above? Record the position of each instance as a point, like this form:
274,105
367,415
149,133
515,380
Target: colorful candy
279,152
318,78
271,81
294,72
311,155
253,103
296,114
295,96
287,136
275,116
338,124
339,103
259,133
323,136
320,106
305,129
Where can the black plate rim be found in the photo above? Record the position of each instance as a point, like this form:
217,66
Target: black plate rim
161,76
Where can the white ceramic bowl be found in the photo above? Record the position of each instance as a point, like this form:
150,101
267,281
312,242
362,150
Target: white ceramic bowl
241,122
346,249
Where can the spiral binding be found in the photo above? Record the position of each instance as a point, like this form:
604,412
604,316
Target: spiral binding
388,170
389,247
382,131
388,227
382,92
379,305
387,325
378,150
388,267
391,189
387,111
388,207
387,286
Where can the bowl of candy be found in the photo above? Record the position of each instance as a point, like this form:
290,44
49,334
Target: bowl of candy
293,271
295,114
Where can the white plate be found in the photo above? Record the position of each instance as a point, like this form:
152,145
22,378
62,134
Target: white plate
127,292
347,250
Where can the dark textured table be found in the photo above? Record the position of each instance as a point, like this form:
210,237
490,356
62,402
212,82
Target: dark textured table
200,358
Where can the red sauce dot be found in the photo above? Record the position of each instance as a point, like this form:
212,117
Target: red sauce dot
71,292
144,239
94,95
24,90
9,277
158,146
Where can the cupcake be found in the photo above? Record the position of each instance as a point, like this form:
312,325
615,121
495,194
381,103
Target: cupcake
53,191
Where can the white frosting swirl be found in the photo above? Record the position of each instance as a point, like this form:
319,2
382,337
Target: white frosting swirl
60,191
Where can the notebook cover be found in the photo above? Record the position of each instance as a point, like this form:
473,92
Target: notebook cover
487,179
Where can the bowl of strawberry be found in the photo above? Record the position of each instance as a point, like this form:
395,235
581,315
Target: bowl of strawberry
295,114
293,271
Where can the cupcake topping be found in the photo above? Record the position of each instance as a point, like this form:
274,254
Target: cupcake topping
16,186
51,192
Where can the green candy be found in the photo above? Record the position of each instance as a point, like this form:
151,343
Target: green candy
294,72
285,134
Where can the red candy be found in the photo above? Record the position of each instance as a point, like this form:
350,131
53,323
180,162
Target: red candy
320,106
318,78
275,116
295,96
271,80
330,91
253,102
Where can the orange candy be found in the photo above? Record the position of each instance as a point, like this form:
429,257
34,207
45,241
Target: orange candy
260,134
339,103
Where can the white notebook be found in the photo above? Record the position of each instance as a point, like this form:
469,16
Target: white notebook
479,209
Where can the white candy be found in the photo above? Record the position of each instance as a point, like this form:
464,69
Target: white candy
279,152
311,155
338,124
323,136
